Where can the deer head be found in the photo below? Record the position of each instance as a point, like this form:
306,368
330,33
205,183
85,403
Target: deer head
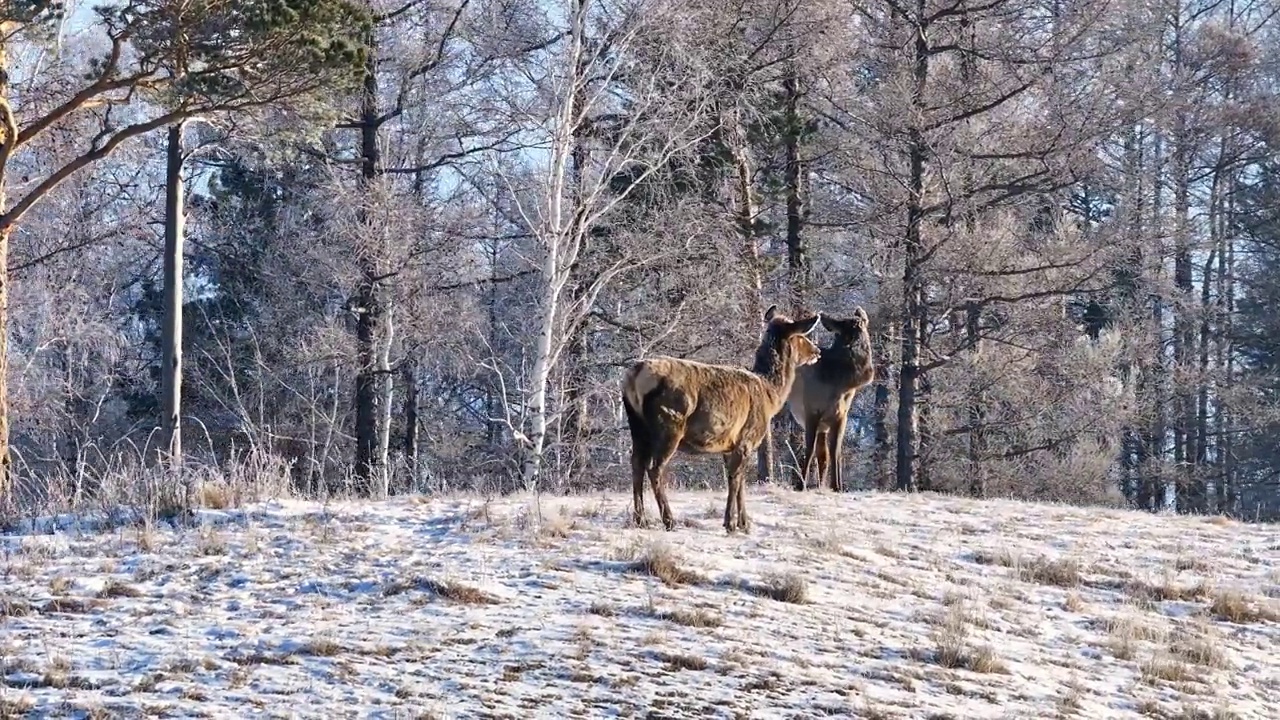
793,335
849,330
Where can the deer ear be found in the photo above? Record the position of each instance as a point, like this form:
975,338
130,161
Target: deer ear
770,313
860,314
806,326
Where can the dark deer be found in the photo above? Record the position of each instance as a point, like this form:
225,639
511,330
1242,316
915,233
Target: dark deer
675,404
822,393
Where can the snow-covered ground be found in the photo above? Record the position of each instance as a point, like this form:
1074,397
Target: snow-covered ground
910,607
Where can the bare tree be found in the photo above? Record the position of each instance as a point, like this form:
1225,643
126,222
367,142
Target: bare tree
242,63
644,131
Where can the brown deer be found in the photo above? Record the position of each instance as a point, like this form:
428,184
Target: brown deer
674,404
822,393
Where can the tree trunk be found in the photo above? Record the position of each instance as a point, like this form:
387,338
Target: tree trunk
880,409
977,407
171,334
386,378
1207,284
411,422
1183,333
540,379
798,265
913,311
575,423
924,407
368,304
1154,475
1226,428
1128,278
9,126
973,310
1186,493
557,235
748,211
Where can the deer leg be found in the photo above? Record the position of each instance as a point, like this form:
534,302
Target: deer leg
731,498
744,523
810,441
820,449
665,444
733,464
641,454
835,441
639,463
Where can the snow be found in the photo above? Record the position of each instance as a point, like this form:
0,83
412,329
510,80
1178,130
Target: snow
466,607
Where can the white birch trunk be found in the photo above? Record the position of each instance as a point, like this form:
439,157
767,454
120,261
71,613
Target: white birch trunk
388,385
171,372
559,252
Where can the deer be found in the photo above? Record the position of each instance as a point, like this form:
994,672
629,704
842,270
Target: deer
820,397
673,404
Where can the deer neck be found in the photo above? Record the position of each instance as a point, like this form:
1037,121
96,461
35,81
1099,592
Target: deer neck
777,367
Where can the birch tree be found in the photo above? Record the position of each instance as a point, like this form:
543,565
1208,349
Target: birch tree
625,135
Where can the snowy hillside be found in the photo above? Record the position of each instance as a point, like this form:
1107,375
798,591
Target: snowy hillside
871,606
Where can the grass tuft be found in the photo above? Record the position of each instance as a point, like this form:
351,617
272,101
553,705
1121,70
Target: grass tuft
459,593
683,661
658,560
788,587
115,588
1060,572
698,617
1236,607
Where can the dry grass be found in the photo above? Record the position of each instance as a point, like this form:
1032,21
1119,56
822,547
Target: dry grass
459,593
146,537
1167,589
115,588
1060,572
789,587
15,707
1200,648
1168,669
13,607
953,650
76,605
697,617
1127,631
683,661
446,589
603,609
658,560
210,542
214,495
1236,607
322,647
870,712
888,552
1184,563
1002,558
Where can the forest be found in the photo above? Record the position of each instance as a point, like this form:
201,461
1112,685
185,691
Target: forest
370,248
